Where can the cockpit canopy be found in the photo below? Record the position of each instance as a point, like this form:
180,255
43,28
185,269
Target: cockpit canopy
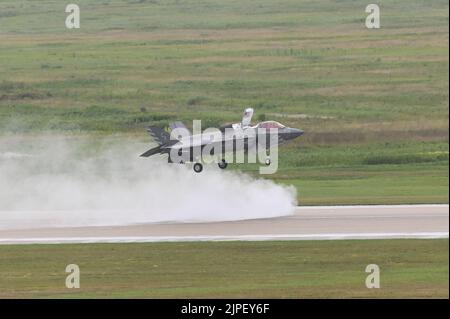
270,124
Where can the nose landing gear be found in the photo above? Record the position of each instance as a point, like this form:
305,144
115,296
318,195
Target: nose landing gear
222,164
268,161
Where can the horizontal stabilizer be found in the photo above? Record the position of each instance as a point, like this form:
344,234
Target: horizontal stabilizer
151,152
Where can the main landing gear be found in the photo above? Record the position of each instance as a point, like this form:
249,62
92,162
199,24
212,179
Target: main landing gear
198,167
222,164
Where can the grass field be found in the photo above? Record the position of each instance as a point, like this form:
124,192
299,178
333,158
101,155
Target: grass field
295,269
373,103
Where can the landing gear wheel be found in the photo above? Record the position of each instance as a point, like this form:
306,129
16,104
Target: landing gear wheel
268,161
222,164
198,167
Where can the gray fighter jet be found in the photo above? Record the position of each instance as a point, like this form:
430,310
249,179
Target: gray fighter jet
184,147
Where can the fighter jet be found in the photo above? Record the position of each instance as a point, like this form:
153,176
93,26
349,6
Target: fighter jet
184,147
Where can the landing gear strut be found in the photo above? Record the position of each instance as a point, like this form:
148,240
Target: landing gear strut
222,164
198,167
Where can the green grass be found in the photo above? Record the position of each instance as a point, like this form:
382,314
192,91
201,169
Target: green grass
373,103
407,184
293,56
294,269
388,173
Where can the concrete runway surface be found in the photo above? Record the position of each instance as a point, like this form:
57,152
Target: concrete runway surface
307,223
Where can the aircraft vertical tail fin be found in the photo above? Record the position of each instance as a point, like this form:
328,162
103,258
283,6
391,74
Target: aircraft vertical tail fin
159,135
178,125
247,117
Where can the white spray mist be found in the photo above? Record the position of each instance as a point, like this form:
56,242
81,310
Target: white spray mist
72,182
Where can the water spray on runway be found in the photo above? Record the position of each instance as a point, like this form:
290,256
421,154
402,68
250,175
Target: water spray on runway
70,182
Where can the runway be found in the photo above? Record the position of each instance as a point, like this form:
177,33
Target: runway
307,223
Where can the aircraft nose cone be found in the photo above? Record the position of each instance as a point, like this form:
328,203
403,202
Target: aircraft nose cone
300,132
295,132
